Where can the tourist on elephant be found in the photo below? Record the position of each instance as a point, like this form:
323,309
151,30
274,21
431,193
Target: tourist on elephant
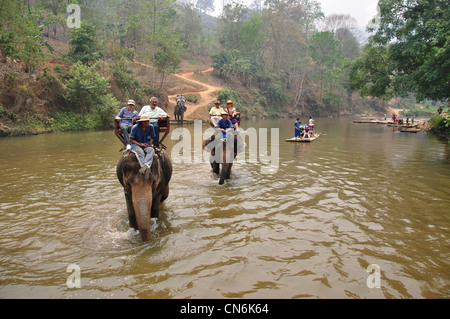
141,138
125,117
215,113
224,125
232,114
181,99
154,112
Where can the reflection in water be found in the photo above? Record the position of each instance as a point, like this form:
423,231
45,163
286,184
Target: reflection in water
360,195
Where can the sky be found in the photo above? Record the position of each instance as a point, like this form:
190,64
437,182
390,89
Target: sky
362,10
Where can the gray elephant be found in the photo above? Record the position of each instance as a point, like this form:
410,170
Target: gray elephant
144,195
223,153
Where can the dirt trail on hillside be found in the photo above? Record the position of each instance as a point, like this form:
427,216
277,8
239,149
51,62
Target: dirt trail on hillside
205,96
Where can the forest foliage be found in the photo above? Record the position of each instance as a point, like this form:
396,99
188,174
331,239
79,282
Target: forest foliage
280,57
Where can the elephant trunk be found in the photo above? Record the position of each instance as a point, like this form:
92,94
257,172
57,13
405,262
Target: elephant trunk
142,202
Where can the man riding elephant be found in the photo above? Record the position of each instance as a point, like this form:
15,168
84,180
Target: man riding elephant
141,138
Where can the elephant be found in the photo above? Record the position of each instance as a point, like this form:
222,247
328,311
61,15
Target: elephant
179,110
223,153
144,195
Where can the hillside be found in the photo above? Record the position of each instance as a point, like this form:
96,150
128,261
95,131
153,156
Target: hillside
29,102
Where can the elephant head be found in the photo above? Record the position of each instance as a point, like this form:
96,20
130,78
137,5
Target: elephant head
144,195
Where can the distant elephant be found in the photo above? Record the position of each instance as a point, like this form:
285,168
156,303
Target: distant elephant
224,155
179,110
144,196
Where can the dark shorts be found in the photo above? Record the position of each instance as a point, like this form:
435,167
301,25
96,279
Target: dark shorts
233,120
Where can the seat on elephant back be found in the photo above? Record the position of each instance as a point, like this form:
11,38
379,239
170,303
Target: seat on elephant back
164,127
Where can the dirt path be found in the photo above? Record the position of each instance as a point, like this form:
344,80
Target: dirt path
205,97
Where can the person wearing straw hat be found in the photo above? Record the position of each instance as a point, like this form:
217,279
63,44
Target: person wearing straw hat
127,115
224,125
215,113
232,114
154,112
141,138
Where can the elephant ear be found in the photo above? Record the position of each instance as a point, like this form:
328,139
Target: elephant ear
163,159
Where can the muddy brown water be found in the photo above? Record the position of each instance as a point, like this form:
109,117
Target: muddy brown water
311,227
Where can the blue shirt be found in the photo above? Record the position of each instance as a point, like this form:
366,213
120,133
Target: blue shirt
297,124
224,124
138,134
125,113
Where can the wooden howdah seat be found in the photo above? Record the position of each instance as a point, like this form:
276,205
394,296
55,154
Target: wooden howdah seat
164,127
238,117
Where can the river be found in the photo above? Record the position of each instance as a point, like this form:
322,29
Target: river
362,212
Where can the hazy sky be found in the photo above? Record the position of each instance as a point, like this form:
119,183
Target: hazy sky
362,10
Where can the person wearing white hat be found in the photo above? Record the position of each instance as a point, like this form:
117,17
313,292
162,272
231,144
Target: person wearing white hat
141,138
125,118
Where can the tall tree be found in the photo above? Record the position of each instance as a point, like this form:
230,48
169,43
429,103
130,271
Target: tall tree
205,5
231,20
84,44
325,52
413,40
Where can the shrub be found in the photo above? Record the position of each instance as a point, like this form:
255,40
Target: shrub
437,122
107,109
85,88
228,94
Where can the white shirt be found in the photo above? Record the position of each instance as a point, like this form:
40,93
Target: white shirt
311,122
156,112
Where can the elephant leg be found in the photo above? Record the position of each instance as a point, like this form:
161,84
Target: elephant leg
228,174
155,206
215,167
131,213
224,173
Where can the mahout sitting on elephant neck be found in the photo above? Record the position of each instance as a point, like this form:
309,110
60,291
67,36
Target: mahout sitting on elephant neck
144,192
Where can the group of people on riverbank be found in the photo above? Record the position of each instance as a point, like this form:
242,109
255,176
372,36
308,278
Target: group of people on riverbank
141,131
398,121
306,130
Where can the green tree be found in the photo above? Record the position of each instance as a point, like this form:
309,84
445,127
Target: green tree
84,46
188,25
19,35
413,38
168,55
9,14
84,88
325,52
252,36
54,8
232,18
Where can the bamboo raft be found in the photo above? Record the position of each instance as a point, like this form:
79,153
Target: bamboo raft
373,121
410,129
303,139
